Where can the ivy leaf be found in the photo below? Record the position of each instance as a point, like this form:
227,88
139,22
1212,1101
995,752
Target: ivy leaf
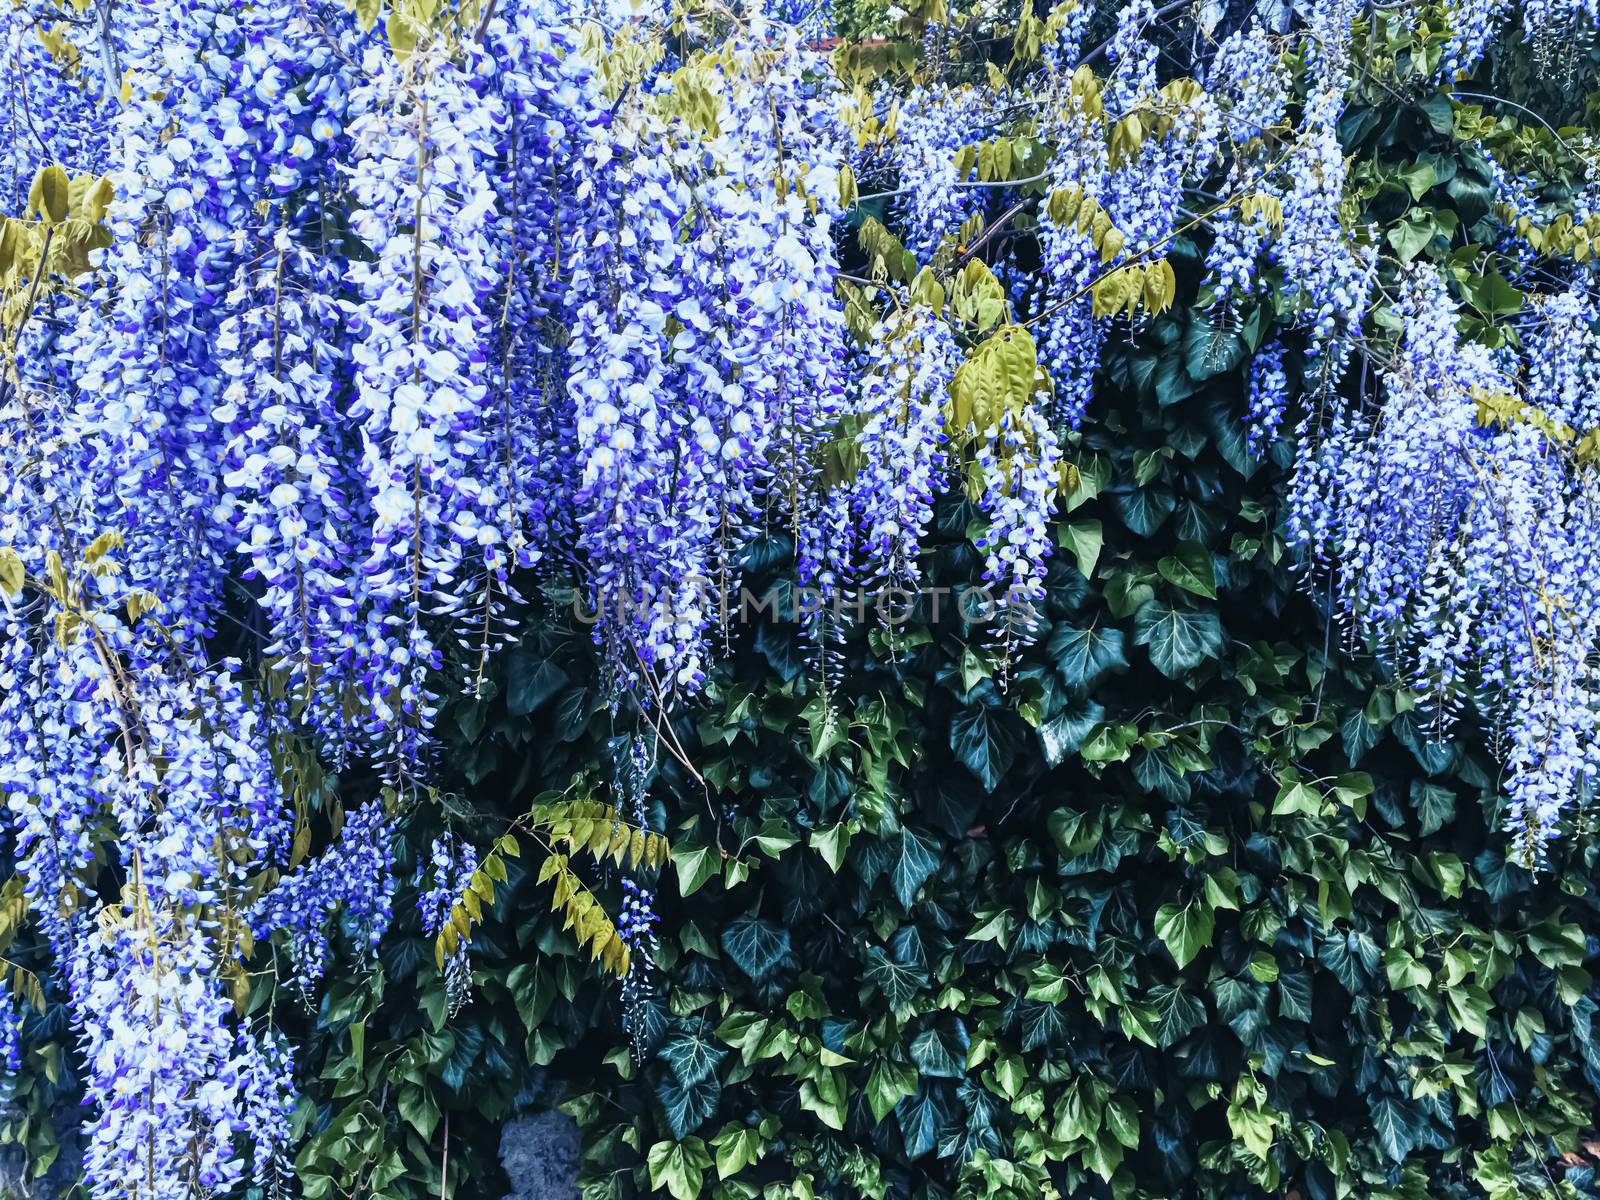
695,866
692,1057
1084,539
889,1083
1108,743
1043,1025
984,744
1178,639
1190,569
679,1167
1394,1123
1144,509
1359,736
757,947
572,713
1296,796
686,1108
1186,930
1209,351
1083,656
738,1147
915,860
1435,805
1064,733
939,1055
919,1122
1178,1014
1294,995
1410,237
899,982
1491,295
531,680
832,843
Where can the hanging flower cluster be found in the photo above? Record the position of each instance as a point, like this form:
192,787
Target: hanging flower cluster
450,866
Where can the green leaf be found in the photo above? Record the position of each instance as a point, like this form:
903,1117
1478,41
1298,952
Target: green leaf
1122,1118
1178,639
915,859
1492,296
1418,177
919,1122
757,947
1191,570
1143,510
1393,1123
1435,805
695,866
832,843
1084,539
679,1167
1178,1014
900,983
937,1055
984,744
1295,796
1108,743
1066,732
691,1056
1083,656
1294,995
889,1083
738,1147
687,1106
531,680
1186,930
1410,237
1448,872
1469,1007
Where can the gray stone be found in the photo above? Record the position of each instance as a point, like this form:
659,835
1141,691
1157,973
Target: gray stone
540,1155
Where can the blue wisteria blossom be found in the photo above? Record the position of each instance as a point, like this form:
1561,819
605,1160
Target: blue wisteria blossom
451,862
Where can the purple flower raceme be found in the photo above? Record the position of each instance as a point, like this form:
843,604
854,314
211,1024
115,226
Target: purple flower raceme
451,863
424,139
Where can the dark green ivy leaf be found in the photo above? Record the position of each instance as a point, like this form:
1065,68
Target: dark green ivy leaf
687,1108
1435,805
1397,1126
1178,1014
531,680
899,982
915,859
692,1055
1209,351
1144,509
939,1054
1065,732
919,1122
984,744
1083,656
756,947
1179,639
